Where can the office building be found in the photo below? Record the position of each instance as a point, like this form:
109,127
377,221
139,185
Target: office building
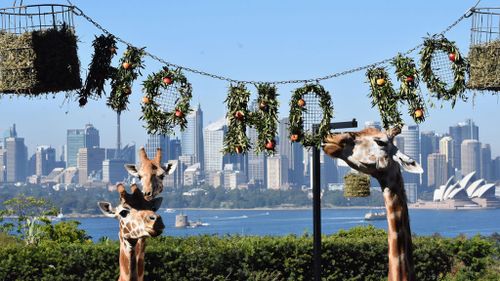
45,160
214,143
486,163
411,147
157,141
256,163
429,143
293,152
80,138
277,172
192,137
17,159
89,164
460,132
437,169
113,171
471,156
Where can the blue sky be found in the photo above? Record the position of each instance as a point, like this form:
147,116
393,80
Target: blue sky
256,40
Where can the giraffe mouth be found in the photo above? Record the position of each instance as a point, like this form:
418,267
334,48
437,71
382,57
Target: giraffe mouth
155,232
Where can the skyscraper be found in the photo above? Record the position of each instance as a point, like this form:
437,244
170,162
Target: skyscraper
17,159
293,152
447,148
113,171
214,143
79,138
463,131
429,143
486,164
277,172
437,169
175,149
256,162
155,142
471,156
410,135
192,137
89,163
45,160
3,160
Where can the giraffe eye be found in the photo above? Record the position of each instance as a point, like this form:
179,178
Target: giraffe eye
124,213
380,142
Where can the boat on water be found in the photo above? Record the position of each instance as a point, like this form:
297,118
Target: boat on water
370,216
170,211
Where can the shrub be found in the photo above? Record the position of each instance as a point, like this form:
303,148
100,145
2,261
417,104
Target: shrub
358,254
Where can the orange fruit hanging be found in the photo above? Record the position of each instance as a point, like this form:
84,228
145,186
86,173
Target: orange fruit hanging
167,80
419,113
294,137
145,100
301,102
380,81
238,149
126,65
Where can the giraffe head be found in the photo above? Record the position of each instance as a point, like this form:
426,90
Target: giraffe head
136,215
370,151
151,173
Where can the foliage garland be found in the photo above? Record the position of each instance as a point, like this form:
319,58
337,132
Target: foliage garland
121,86
297,107
459,67
407,74
238,116
99,68
384,96
157,120
265,119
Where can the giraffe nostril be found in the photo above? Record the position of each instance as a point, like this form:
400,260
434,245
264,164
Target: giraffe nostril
148,193
152,218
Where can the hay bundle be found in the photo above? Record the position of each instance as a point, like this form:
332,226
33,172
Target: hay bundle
39,62
356,185
485,66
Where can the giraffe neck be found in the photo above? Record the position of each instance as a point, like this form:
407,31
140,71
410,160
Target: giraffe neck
398,221
131,259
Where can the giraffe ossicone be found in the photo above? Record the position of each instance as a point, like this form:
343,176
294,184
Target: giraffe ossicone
151,172
373,152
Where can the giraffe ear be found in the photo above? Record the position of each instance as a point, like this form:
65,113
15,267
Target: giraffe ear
407,163
171,166
106,209
132,170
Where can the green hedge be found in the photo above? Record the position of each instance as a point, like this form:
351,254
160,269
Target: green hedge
358,254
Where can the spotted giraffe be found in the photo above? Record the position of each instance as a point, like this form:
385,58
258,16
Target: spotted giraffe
138,220
373,152
151,172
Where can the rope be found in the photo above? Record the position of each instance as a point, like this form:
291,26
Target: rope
77,11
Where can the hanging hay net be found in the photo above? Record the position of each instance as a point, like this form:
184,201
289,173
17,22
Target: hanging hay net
356,185
484,53
441,66
38,50
169,97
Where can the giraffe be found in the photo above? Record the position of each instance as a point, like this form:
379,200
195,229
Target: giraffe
372,152
151,173
138,220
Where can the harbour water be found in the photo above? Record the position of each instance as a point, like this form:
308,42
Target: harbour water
448,223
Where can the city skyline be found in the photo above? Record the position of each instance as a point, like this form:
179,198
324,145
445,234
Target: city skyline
230,34
289,168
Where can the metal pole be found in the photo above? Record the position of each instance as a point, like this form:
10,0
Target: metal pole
316,189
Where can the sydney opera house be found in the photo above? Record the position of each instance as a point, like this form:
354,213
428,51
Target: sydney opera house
468,193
